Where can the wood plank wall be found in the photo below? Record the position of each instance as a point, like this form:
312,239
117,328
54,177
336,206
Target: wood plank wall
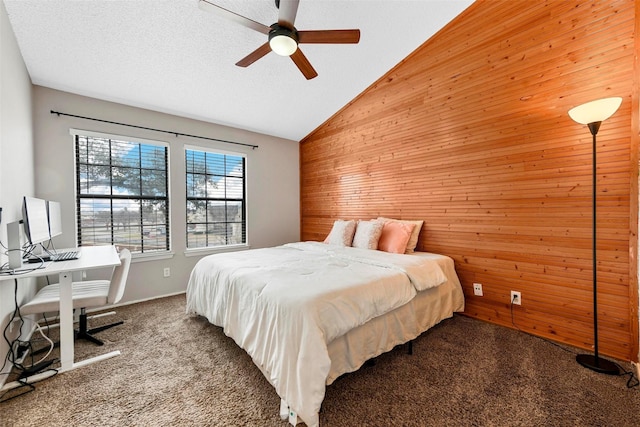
471,134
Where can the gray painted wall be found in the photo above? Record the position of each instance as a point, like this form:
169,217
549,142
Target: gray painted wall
273,215
37,159
16,158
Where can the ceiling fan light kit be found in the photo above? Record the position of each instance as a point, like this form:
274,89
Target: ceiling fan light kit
283,41
283,35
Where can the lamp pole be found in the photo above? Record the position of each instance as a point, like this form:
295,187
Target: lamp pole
594,127
593,114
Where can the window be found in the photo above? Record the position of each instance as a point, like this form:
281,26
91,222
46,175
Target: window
122,193
216,207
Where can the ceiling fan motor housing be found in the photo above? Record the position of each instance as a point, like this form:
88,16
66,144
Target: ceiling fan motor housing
281,38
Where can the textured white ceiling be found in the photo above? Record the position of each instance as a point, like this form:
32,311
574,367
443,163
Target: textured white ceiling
170,56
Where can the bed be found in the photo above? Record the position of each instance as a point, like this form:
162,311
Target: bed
309,312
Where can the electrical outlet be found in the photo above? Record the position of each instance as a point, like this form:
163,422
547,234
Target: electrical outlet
477,289
516,298
167,272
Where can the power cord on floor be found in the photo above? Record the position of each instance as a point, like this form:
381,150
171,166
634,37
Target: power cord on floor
17,347
632,381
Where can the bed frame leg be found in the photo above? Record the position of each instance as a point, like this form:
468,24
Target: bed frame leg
287,413
284,410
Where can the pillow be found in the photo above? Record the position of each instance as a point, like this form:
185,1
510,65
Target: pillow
395,235
413,240
342,233
367,234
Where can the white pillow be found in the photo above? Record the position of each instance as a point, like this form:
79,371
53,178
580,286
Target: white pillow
367,234
342,233
413,240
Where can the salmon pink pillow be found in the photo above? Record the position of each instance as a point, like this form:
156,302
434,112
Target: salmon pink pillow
413,240
395,236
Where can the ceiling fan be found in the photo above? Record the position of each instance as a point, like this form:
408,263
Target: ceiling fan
283,36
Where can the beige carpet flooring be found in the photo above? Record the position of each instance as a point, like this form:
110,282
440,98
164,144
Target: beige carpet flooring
177,370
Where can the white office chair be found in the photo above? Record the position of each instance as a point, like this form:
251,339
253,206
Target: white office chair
90,293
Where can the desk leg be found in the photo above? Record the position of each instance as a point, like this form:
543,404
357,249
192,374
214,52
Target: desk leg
66,322
66,329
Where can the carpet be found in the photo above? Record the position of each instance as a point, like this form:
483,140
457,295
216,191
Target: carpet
177,369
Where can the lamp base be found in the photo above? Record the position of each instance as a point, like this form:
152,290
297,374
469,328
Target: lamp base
598,364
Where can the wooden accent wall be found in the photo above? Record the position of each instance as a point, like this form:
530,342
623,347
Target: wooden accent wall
471,134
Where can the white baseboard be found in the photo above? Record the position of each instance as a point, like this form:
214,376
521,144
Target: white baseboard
122,304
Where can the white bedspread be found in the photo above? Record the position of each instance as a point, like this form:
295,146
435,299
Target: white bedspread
283,306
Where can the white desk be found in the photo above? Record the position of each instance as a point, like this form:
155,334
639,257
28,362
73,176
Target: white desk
92,257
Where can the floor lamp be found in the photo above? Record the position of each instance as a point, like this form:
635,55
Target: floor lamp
593,114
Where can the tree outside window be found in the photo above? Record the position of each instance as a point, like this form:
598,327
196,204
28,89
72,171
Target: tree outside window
216,208
122,193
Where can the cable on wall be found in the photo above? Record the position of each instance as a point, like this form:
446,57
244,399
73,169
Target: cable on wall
177,134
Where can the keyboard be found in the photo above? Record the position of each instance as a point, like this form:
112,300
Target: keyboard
65,256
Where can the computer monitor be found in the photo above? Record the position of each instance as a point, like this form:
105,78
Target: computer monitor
55,218
36,220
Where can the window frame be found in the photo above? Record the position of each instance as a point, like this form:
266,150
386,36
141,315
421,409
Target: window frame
243,200
157,253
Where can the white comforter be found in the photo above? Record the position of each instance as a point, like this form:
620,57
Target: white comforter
283,305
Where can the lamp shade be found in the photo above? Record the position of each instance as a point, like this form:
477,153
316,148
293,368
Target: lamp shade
595,111
283,45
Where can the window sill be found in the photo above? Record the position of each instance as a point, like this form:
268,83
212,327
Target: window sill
215,249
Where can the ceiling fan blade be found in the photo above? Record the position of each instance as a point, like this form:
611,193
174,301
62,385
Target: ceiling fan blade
254,56
231,16
303,64
329,36
287,13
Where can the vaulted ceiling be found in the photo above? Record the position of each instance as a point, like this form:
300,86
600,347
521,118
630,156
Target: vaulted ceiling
171,56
